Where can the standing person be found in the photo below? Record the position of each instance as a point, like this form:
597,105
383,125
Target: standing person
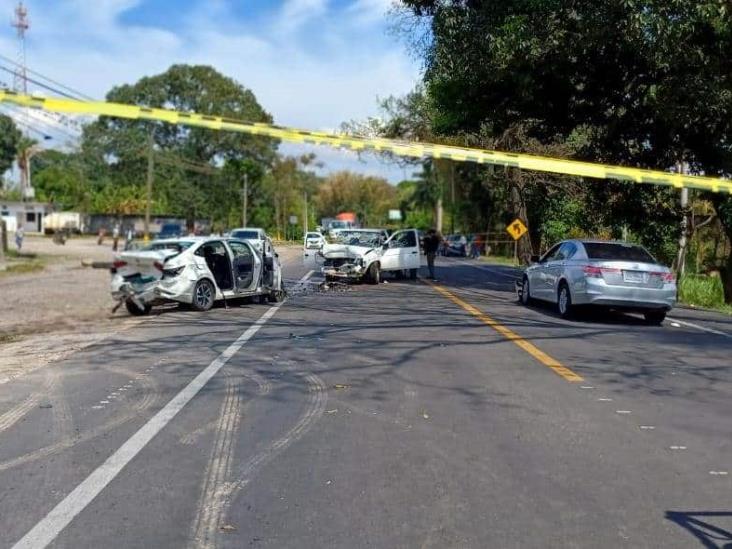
432,243
463,245
19,235
128,238
115,237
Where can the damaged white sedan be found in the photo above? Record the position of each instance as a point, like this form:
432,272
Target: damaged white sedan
194,271
364,254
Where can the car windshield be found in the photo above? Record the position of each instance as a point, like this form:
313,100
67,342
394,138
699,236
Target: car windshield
359,238
313,235
178,246
612,251
245,235
338,225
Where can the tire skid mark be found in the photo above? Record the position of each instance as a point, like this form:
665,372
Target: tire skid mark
317,400
150,397
218,469
19,411
264,387
15,414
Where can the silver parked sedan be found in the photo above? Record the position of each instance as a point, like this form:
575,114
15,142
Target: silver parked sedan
616,275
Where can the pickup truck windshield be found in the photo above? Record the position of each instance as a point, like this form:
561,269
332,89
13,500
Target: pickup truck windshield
358,238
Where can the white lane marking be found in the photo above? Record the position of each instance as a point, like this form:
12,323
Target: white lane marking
702,328
586,387
719,473
605,400
97,407
103,402
647,427
43,533
622,411
677,447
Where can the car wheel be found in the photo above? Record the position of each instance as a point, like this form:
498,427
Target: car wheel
134,310
277,296
564,301
374,274
655,317
413,274
525,294
204,295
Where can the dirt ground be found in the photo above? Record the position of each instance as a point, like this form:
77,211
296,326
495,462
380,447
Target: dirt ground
51,314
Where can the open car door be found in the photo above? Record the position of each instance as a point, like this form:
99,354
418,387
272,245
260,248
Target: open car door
402,251
247,267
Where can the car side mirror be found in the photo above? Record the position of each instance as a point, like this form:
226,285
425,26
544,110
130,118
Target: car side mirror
534,259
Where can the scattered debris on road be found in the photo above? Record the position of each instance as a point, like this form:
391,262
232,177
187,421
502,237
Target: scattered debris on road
341,386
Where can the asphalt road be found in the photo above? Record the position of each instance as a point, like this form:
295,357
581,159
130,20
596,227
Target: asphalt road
403,415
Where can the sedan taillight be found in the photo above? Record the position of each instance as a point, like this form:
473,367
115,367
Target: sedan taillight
172,273
592,271
668,278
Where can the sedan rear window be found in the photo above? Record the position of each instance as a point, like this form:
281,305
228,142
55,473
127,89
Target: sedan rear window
617,252
177,246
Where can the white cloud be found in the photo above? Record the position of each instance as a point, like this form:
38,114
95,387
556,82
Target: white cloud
307,81
295,13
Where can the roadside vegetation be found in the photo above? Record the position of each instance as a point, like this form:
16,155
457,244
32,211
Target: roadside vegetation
546,78
22,263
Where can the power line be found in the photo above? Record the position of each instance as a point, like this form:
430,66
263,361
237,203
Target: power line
51,80
27,125
36,82
15,114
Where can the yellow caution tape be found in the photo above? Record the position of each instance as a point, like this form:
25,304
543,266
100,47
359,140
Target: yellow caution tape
399,148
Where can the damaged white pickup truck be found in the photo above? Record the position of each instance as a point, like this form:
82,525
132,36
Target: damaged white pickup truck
364,254
194,271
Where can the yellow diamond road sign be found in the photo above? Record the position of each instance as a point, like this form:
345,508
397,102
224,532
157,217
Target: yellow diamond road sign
516,229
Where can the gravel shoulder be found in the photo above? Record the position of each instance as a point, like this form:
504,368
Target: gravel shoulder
49,315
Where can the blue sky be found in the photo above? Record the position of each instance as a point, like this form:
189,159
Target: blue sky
311,63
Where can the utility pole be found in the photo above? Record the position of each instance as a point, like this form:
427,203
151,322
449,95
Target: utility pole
244,198
305,215
150,174
683,168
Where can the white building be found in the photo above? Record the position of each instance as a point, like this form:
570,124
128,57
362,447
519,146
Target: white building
28,215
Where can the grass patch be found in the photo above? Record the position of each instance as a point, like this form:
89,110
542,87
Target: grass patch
24,267
703,291
8,338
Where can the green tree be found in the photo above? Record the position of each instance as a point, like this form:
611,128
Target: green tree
370,198
638,82
10,138
120,147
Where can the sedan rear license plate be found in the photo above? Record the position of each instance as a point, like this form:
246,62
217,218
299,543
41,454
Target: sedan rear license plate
634,276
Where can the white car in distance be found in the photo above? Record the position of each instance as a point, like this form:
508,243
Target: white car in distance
255,236
314,241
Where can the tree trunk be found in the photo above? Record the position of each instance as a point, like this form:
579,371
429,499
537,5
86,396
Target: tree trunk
519,208
438,215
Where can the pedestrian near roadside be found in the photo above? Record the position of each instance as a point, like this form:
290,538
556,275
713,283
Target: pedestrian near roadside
19,236
115,237
432,241
463,245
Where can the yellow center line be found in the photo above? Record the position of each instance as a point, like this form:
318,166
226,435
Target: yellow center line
509,334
